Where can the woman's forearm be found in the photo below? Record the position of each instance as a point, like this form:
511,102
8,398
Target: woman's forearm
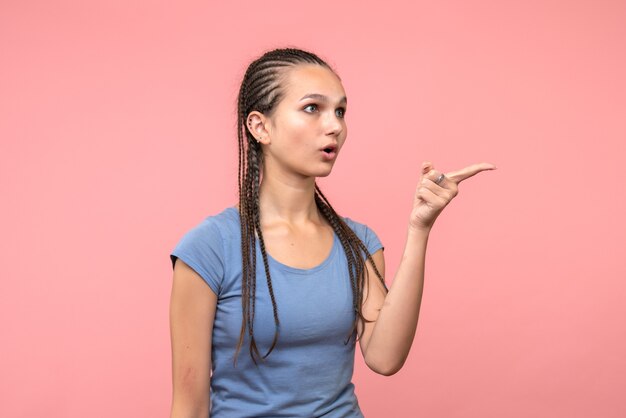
395,327
392,334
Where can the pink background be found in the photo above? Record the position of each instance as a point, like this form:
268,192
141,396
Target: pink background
117,128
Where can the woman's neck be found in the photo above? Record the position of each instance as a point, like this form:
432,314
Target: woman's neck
291,201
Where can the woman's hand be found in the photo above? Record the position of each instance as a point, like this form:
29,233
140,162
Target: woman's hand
435,192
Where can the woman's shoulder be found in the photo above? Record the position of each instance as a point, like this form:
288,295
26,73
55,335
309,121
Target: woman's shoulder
215,226
203,246
356,225
364,232
223,220
227,216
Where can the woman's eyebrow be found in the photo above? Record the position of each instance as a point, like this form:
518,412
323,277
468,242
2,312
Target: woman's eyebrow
322,98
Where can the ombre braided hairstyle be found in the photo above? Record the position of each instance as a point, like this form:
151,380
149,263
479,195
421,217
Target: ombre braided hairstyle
261,91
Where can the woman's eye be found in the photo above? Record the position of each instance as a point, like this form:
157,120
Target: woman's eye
313,107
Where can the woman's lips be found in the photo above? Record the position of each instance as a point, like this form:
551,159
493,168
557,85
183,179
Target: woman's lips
329,155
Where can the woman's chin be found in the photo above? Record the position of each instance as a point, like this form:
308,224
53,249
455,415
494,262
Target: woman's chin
324,173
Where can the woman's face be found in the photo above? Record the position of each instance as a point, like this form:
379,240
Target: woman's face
307,129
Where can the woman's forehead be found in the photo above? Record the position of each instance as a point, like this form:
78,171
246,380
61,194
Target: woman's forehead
305,80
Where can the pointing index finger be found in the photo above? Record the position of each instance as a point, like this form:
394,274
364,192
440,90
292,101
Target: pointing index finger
469,171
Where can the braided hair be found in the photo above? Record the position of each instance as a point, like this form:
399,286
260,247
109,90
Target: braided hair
261,90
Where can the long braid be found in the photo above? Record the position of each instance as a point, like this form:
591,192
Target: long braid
252,92
243,209
356,265
251,211
350,232
257,226
261,90
345,243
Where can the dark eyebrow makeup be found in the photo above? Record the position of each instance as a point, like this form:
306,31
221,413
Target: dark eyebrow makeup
322,98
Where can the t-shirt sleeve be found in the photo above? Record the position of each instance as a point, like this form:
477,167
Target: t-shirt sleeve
366,234
372,242
202,248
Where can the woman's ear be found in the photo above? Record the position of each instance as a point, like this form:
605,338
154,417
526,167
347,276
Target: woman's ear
256,124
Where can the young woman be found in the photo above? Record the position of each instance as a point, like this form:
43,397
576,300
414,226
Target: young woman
281,274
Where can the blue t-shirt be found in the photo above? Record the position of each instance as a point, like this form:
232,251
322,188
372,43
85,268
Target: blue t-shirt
309,372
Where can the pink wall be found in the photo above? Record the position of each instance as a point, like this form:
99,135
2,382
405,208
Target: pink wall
117,136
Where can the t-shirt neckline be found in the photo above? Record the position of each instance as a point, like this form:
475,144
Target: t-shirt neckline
292,269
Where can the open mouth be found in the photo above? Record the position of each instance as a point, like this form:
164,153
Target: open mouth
329,150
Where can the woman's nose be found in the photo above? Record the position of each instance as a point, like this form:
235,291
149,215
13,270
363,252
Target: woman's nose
334,124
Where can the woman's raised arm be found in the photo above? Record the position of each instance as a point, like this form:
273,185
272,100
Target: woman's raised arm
386,342
192,312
